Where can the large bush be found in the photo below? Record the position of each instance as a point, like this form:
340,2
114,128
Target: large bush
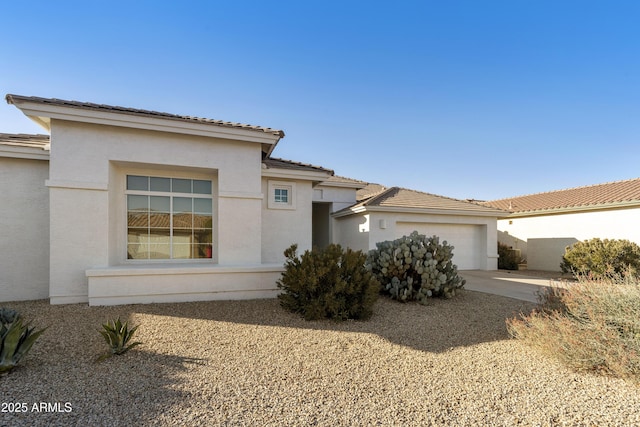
507,258
598,257
329,283
415,267
593,325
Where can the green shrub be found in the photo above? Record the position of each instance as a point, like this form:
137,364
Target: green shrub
328,283
598,257
415,267
593,325
16,339
117,335
507,258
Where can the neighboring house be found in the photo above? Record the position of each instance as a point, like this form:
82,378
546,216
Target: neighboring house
120,205
542,225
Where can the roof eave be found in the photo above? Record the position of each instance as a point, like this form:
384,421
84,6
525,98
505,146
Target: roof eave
343,184
293,174
42,114
22,152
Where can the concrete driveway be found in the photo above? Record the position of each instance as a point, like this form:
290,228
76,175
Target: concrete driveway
509,284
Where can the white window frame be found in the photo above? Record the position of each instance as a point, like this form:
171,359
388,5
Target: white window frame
158,174
288,186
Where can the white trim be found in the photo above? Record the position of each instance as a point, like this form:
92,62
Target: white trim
240,195
282,185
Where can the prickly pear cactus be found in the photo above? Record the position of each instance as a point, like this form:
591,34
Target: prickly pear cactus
415,267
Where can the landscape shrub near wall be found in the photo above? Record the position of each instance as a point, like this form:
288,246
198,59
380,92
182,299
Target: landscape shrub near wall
328,283
593,325
598,257
415,267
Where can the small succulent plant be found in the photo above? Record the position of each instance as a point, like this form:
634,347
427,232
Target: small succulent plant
16,339
117,335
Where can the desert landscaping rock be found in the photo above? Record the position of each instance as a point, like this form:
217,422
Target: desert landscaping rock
252,363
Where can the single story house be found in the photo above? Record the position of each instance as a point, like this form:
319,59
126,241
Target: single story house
119,205
542,225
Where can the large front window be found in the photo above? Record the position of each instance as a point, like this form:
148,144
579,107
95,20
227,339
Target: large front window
169,218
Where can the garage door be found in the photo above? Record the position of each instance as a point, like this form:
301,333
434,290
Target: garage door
468,240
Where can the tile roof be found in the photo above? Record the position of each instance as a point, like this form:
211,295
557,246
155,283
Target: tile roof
579,198
138,112
396,197
369,191
25,140
275,163
344,179
344,182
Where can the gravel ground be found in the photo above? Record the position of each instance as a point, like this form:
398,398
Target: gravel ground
251,363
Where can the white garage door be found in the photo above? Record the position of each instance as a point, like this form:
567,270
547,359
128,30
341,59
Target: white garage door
468,240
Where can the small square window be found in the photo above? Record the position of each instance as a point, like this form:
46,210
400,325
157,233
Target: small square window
281,195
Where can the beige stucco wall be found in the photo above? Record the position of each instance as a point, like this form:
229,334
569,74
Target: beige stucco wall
149,284
87,168
283,227
611,224
24,227
338,197
546,254
352,231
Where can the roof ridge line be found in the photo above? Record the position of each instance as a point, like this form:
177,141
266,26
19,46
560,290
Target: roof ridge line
379,194
444,197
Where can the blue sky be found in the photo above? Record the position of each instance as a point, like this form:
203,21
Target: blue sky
468,99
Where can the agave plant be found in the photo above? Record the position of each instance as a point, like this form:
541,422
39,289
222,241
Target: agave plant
117,335
16,339
7,315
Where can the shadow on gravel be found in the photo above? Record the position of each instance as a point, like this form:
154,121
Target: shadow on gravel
468,319
144,385
60,384
465,320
